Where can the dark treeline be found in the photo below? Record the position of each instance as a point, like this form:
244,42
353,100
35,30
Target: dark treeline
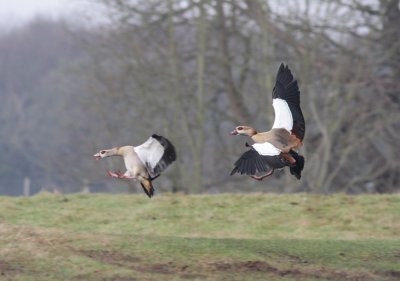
192,71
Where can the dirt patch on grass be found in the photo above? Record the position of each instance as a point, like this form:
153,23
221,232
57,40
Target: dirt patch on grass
305,272
114,278
7,269
203,270
119,279
132,262
163,268
254,267
193,276
395,274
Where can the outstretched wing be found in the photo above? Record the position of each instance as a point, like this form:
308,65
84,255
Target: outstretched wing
261,158
157,153
286,103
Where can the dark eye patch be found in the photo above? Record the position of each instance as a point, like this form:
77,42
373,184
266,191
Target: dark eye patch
240,128
102,152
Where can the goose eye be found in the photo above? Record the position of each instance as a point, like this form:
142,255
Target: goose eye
102,152
239,128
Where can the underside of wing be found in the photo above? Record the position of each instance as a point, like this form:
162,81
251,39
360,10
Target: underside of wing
286,103
252,163
266,149
168,156
157,153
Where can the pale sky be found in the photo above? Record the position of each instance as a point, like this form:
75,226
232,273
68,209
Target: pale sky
14,12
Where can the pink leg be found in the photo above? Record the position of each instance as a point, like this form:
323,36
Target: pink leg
114,174
119,175
260,178
127,177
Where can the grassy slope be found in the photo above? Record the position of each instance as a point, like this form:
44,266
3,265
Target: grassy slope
221,237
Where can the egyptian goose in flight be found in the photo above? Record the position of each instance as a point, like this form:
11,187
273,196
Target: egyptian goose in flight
275,149
144,162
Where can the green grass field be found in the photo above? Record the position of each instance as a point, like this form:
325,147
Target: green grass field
200,237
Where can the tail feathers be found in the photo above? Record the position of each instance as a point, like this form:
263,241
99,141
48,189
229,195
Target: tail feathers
147,187
298,166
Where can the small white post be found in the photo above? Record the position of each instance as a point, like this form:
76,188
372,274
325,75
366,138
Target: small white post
27,186
85,188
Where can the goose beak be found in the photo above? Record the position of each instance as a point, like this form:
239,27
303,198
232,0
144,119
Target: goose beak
233,133
97,156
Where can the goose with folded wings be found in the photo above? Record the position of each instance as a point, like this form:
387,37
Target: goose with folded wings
275,149
144,162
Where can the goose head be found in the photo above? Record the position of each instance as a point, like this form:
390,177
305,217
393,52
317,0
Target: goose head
243,130
106,153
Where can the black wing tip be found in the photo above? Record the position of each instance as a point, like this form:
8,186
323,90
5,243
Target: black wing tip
168,157
170,152
251,163
286,87
284,66
234,171
284,74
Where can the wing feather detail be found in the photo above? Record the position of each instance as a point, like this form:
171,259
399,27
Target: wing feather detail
157,153
252,163
286,103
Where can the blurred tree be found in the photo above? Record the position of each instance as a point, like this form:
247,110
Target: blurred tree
27,55
331,42
192,70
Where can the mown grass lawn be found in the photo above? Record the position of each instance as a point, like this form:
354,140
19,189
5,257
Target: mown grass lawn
200,237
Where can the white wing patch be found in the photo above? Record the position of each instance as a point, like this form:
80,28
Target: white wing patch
150,152
266,149
283,115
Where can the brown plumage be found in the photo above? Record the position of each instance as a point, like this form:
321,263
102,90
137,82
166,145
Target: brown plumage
275,149
280,138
